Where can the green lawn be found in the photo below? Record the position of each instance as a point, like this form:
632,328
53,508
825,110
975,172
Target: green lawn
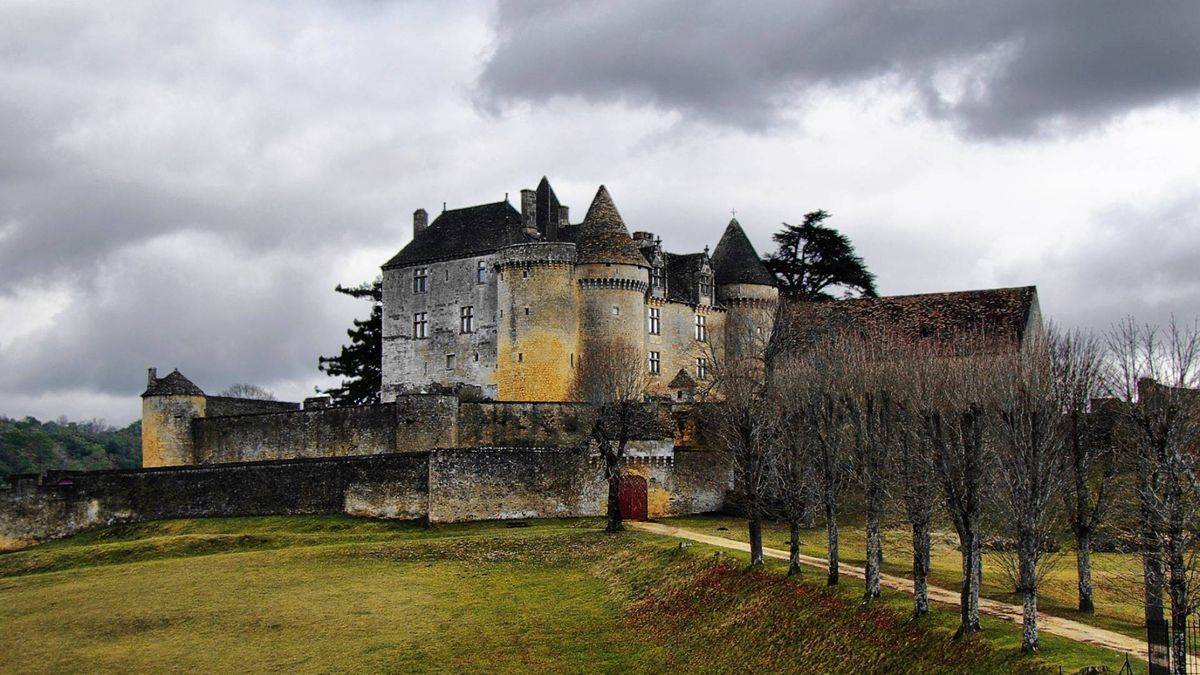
1116,576
335,594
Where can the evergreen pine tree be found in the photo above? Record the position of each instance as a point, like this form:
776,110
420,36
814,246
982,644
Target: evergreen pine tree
813,259
360,362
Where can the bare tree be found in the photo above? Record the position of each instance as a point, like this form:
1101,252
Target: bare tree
920,489
870,409
954,410
612,381
1090,462
1156,375
243,390
1027,454
793,459
739,412
814,393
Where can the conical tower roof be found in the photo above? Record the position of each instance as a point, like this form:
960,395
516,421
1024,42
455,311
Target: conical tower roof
174,384
735,261
603,237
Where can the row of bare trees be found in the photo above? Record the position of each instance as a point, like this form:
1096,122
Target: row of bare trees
1062,433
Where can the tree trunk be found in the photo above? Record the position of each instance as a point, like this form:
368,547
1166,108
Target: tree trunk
1027,578
756,545
968,602
874,554
1178,591
921,556
794,548
612,471
831,530
1083,565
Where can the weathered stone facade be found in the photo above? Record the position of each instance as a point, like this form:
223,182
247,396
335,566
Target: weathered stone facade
542,294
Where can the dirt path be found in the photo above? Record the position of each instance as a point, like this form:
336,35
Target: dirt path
1067,628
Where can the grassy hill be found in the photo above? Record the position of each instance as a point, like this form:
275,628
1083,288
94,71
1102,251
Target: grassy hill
31,446
332,593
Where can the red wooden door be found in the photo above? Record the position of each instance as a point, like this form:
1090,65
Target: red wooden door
633,498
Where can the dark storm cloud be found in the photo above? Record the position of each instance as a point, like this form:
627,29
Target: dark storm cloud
996,69
179,185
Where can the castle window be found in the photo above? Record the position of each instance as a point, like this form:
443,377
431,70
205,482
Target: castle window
572,359
616,311
652,319
654,363
526,311
476,357
701,368
420,280
420,325
466,319
449,362
520,357
481,273
525,274
701,327
447,274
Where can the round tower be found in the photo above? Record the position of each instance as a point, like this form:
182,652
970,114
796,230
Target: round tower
537,331
747,289
613,277
169,405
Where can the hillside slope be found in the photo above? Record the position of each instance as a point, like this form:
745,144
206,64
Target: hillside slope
327,593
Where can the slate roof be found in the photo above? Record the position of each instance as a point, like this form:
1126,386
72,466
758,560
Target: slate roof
735,261
173,384
682,380
603,237
459,233
997,312
683,272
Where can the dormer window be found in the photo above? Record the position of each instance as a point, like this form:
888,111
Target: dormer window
706,285
658,277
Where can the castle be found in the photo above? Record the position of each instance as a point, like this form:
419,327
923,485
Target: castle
488,312
512,302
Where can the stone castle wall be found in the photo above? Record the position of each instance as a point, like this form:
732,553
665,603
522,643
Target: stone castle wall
442,486
62,503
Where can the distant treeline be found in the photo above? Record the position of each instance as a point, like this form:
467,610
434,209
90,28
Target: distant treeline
31,446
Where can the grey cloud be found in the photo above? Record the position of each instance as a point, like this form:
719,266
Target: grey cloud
1009,69
1136,261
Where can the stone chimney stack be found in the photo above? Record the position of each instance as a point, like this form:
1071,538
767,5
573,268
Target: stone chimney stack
529,209
420,222
151,376
563,216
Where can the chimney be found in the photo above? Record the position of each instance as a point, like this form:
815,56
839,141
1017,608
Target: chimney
420,222
563,219
151,376
529,209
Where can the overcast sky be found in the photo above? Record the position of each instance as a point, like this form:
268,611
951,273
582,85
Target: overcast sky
182,184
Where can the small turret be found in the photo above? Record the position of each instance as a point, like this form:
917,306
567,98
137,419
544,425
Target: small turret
169,405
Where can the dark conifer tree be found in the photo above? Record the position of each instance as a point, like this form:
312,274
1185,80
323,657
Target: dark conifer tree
360,362
814,259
